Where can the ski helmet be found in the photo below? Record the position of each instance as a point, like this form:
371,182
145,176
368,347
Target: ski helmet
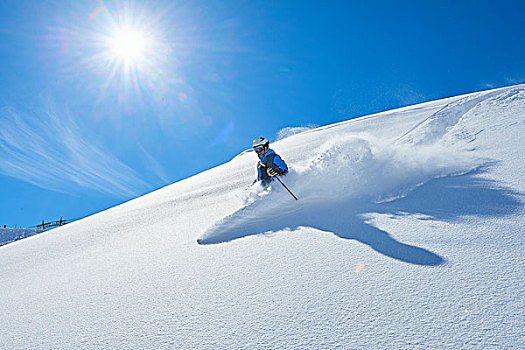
260,144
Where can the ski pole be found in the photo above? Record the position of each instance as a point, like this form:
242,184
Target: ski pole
277,177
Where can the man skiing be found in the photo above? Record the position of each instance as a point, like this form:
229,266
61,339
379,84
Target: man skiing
270,163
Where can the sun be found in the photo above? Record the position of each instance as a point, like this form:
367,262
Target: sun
127,48
129,44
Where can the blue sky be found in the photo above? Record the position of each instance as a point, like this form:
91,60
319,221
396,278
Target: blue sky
82,130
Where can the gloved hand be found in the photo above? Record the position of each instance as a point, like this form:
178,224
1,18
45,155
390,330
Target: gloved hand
274,171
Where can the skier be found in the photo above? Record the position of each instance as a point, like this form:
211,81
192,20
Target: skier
270,163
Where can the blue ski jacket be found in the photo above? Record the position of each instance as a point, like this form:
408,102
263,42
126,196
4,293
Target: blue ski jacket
276,162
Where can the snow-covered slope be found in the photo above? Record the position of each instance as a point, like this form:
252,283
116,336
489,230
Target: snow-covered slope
8,235
408,233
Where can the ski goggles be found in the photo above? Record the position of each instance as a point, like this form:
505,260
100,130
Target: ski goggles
258,148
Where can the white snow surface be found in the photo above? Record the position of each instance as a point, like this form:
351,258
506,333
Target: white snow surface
408,234
8,235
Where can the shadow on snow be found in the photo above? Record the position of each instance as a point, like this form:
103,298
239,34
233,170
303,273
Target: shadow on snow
446,199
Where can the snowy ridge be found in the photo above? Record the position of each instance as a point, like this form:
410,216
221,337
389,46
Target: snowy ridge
446,125
408,233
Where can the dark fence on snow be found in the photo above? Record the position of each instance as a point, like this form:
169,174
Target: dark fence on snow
47,225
